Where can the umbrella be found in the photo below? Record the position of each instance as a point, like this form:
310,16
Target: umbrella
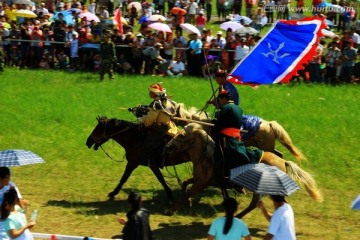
89,16
337,8
190,28
25,13
178,11
355,205
68,18
10,158
263,179
26,2
232,25
157,18
246,19
71,10
323,4
137,5
247,30
296,16
160,27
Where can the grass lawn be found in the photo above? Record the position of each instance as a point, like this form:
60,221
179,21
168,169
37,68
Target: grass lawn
52,113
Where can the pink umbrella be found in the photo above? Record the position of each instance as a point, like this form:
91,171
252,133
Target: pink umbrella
160,27
89,16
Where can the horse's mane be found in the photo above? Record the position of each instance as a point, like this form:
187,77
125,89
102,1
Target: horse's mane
191,113
119,122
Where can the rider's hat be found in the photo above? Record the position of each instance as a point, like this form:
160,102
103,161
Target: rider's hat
157,89
220,73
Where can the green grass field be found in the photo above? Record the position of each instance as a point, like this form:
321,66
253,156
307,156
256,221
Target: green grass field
52,113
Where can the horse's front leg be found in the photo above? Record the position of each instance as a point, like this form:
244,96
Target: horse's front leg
253,204
161,179
128,170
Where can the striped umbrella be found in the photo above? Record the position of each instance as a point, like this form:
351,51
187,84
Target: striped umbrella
263,179
11,158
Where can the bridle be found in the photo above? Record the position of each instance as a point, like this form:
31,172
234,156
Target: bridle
105,136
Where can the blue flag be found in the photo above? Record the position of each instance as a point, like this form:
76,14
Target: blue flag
280,53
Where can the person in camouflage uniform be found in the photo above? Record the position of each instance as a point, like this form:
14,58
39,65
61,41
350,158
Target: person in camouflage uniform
108,57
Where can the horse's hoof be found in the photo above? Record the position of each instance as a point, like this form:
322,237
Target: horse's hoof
111,196
169,213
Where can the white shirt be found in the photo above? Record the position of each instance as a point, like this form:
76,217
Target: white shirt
177,66
282,223
91,8
241,52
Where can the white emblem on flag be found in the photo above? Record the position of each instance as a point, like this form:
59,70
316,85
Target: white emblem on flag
274,53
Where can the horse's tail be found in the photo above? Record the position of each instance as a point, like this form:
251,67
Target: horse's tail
285,140
305,179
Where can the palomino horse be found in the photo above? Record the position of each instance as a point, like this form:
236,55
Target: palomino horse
199,146
131,137
260,133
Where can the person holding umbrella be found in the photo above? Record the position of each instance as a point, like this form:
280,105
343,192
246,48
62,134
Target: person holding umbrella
282,221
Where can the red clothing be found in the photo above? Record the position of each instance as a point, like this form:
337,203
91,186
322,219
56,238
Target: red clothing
201,21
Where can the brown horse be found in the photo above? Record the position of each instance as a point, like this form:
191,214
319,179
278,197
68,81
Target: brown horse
261,133
131,137
197,144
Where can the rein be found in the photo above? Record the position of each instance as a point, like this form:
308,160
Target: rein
110,136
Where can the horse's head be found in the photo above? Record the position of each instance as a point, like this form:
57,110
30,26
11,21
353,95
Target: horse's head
104,130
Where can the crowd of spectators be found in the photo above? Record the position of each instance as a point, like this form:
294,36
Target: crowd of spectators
47,42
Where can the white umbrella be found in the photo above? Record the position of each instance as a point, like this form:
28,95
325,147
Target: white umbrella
247,30
189,28
232,25
246,19
137,5
157,18
26,2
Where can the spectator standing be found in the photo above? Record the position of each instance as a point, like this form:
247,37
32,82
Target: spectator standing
5,185
208,9
104,14
74,50
194,56
108,57
192,11
333,59
14,219
349,55
220,40
137,226
228,227
92,6
200,21
282,221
